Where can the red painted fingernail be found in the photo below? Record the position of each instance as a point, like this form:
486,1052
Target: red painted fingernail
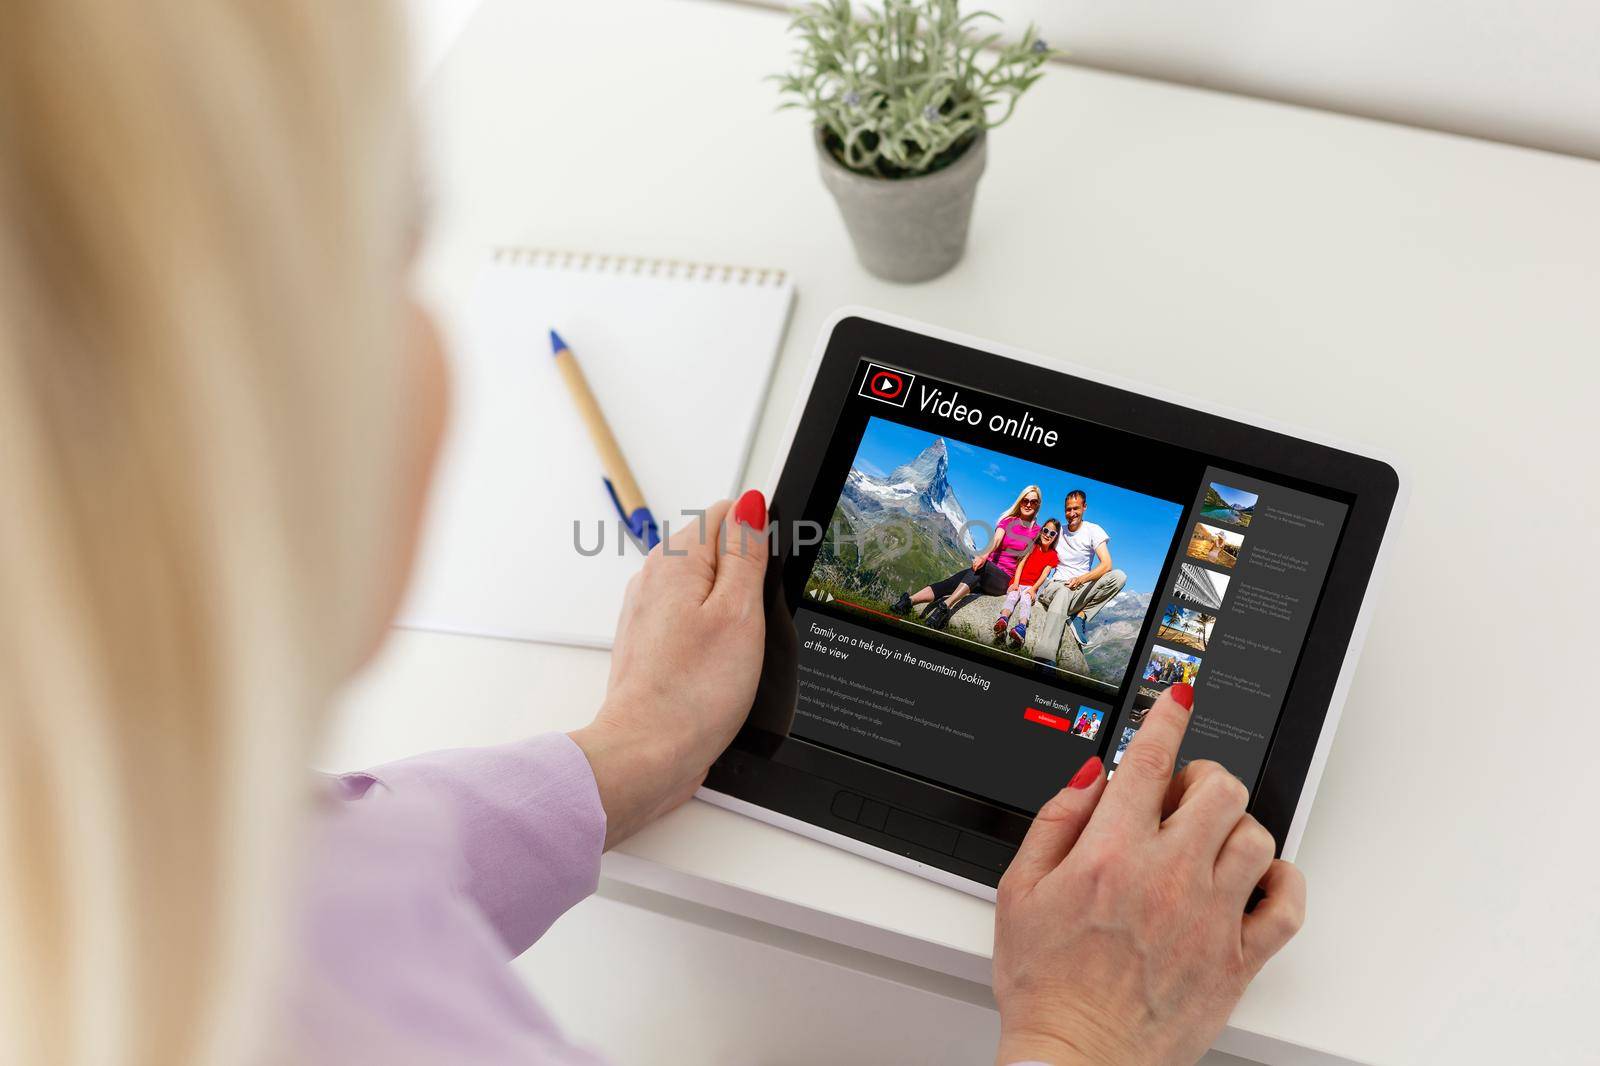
1087,774
1184,694
751,510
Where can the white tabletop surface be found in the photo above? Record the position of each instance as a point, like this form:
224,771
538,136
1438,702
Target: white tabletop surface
1433,297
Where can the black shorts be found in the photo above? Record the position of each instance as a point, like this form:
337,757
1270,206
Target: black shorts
988,581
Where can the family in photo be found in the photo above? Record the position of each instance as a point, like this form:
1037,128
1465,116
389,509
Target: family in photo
995,553
1088,722
1168,667
1063,563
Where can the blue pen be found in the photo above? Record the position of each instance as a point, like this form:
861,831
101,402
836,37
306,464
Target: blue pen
619,482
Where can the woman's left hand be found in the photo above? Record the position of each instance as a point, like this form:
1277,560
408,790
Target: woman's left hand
684,666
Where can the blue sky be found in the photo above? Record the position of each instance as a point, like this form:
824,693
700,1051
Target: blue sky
1234,497
986,482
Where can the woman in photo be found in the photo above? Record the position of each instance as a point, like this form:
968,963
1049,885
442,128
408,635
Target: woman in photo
992,569
1032,571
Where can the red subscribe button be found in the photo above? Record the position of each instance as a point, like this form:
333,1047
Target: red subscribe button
1033,714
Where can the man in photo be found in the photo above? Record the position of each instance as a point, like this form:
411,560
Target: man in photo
1084,581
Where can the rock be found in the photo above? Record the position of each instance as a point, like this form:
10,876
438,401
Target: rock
973,618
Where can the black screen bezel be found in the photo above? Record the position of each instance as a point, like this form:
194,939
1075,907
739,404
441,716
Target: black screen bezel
803,779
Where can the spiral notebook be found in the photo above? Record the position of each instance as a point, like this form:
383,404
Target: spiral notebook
679,355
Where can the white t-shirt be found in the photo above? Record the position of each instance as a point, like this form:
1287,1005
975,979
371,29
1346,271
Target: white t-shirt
1077,550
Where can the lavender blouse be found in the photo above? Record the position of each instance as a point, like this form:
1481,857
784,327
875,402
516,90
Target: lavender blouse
426,877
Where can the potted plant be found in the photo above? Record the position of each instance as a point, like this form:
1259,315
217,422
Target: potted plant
902,96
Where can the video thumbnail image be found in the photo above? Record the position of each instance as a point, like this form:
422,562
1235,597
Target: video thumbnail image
1224,503
1199,585
1087,724
1188,627
1122,743
1143,699
1215,545
981,548
1170,667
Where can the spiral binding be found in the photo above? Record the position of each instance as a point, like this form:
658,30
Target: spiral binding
681,269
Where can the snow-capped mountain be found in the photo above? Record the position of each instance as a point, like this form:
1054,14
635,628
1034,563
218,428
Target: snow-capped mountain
918,490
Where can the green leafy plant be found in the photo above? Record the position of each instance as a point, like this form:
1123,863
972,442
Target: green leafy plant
904,88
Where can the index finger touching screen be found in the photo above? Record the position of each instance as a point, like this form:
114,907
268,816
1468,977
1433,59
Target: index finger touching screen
1134,796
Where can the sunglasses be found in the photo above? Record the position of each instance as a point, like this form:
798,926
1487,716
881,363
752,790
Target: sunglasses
1051,533
1029,501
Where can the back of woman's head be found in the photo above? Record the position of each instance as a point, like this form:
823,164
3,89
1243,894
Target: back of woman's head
202,234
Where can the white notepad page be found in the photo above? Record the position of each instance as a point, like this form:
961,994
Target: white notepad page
679,356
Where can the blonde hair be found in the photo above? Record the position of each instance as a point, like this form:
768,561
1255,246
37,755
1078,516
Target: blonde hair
1016,505
202,239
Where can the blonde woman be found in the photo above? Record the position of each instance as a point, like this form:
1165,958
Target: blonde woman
218,413
992,569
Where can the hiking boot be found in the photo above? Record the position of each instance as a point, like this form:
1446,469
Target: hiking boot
902,605
1019,635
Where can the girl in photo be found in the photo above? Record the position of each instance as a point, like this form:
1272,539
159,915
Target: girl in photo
992,569
1032,571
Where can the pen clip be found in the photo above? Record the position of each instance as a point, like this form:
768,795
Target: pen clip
641,523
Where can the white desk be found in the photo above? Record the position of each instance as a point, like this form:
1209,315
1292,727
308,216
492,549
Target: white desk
1433,296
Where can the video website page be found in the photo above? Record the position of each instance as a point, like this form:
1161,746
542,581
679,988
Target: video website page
1002,591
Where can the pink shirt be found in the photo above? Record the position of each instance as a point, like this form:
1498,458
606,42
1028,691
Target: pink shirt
1018,535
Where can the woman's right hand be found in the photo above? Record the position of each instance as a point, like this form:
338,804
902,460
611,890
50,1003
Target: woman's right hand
1120,932
978,561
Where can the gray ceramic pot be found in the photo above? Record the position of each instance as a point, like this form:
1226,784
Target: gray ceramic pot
907,229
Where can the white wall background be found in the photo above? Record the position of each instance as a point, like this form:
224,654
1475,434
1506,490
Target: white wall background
434,25
1523,72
